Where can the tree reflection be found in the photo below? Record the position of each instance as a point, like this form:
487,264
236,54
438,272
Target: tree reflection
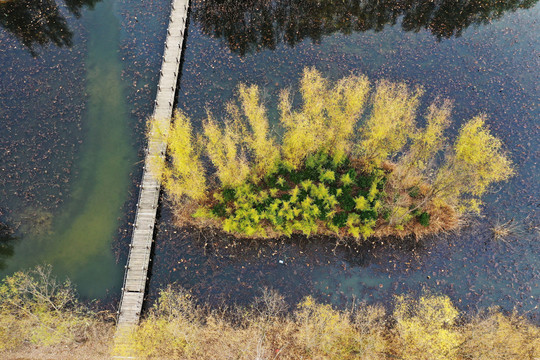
252,25
39,22
75,6
6,244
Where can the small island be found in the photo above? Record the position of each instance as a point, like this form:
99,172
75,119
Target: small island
352,162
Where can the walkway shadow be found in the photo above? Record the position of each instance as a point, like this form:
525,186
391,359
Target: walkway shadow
7,244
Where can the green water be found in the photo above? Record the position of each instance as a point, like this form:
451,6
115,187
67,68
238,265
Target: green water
79,242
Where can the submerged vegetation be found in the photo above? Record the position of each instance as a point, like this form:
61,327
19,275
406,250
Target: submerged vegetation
41,318
331,173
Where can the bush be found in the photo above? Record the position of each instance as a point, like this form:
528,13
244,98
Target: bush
495,336
423,219
419,328
36,309
175,327
426,327
307,206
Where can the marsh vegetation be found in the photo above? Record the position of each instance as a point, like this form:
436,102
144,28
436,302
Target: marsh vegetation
352,161
41,318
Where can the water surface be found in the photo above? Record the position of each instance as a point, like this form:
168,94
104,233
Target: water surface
485,56
74,96
67,144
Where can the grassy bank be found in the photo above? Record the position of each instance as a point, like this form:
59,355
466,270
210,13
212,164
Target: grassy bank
41,319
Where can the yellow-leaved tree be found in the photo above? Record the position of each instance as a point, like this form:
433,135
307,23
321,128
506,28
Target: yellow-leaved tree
223,147
426,327
327,118
407,196
303,128
426,143
476,162
255,128
345,106
324,332
37,309
391,122
184,175
492,335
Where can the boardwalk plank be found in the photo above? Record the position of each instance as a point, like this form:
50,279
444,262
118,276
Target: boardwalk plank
141,241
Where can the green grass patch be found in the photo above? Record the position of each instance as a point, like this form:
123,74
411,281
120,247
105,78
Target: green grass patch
320,196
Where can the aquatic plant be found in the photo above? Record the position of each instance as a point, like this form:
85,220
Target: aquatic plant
330,174
35,221
502,230
7,244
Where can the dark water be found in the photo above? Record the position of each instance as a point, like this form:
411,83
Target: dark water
75,91
484,55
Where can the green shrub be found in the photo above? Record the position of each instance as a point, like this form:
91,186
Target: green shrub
423,219
414,191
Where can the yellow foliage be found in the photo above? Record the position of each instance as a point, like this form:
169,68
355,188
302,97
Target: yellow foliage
184,176
324,331
327,118
399,215
266,153
478,161
159,338
176,328
496,336
13,331
326,125
171,327
480,155
321,328
36,309
346,104
427,142
426,327
371,331
222,147
391,123
301,136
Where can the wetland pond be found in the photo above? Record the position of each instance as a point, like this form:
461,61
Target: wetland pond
73,124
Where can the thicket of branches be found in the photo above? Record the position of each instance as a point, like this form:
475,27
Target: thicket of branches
428,327
352,160
36,310
42,319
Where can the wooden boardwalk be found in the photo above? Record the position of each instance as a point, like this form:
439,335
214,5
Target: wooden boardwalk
139,257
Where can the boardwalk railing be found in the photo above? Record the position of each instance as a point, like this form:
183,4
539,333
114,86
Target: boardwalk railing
138,261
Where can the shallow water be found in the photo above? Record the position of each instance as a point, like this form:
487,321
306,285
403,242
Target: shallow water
84,143
486,60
